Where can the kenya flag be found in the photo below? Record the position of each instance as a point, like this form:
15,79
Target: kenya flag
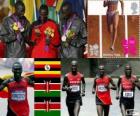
47,87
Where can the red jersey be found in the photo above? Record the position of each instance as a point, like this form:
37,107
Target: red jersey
41,50
101,91
17,101
74,81
2,48
127,86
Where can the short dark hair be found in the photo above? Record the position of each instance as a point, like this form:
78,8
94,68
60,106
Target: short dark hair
43,7
19,2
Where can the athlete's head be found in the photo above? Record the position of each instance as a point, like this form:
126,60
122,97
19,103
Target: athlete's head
17,70
43,12
1,2
128,70
66,10
74,66
101,70
19,8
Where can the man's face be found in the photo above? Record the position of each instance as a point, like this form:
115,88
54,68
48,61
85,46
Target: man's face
43,15
101,70
20,10
66,11
74,68
17,74
128,71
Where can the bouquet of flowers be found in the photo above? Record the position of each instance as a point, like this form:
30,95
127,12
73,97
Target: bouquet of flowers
16,26
70,34
49,32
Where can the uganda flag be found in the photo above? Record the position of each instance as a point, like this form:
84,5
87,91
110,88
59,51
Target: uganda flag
47,87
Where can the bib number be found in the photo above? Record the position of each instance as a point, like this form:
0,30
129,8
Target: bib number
101,88
75,88
128,94
18,95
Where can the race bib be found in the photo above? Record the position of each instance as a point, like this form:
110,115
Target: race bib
101,88
75,88
18,95
128,94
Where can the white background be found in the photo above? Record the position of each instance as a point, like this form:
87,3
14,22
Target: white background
96,7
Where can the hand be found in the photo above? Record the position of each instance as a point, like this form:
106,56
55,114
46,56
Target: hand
93,92
48,40
83,94
107,87
17,31
32,43
37,32
117,97
68,89
133,81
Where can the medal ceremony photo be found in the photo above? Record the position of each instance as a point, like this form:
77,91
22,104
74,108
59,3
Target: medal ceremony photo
69,57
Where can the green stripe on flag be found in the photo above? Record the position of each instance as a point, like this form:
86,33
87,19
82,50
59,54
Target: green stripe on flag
45,94
53,14
12,2
43,1
44,113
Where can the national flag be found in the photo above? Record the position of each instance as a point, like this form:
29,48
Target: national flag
47,87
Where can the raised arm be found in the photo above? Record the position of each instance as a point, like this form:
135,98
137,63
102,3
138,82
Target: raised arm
30,81
4,84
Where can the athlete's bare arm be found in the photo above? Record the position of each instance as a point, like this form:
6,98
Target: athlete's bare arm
4,84
122,6
137,83
118,88
65,84
113,85
105,3
94,86
30,81
83,86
